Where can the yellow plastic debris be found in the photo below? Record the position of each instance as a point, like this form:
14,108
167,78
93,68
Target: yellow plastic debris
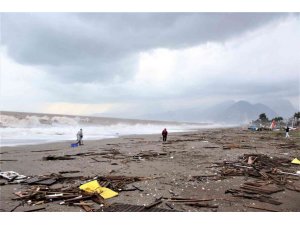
296,161
94,187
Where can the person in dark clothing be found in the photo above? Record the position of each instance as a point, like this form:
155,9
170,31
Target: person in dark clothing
287,129
164,134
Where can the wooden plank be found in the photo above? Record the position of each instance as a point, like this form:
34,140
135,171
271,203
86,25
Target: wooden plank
35,209
262,189
204,205
86,207
69,171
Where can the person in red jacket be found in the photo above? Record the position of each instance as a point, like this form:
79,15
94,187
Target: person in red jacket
164,134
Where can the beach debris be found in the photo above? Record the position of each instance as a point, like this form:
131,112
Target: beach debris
155,203
14,208
172,192
8,160
188,200
69,171
206,178
202,205
35,195
41,180
85,206
293,187
35,209
296,161
137,188
52,178
288,146
3,153
39,190
233,145
97,160
46,150
148,155
53,157
211,147
254,196
262,188
74,145
258,166
127,189
12,176
119,182
169,205
119,207
251,160
94,187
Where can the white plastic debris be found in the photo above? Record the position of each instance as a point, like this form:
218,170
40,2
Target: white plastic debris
12,175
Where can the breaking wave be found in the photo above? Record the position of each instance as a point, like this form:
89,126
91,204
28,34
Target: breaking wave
32,129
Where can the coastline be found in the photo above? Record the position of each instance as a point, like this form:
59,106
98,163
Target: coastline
184,155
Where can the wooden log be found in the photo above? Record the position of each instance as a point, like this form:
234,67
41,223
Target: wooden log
202,205
167,204
153,204
69,171
137,188
36,209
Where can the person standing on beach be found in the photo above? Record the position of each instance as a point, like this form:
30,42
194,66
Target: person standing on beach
164,134
79,137
287,129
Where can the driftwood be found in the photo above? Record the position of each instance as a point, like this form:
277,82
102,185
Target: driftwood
254,196
157,202
263,189
52,157
202,205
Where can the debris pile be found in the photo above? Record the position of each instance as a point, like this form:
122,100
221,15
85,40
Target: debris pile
272,174
148,155
118,207
38,190
119,183
259,166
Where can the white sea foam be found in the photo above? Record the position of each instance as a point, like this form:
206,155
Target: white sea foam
42,129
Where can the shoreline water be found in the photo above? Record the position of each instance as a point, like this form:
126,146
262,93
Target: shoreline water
7,142
29,128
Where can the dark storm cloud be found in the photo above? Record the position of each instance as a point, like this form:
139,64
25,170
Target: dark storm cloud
103,46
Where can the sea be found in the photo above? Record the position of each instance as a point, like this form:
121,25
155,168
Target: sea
18,128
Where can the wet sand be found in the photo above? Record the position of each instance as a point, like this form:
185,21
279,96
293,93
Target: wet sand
183,155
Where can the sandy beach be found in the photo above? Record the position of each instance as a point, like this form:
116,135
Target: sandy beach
174,169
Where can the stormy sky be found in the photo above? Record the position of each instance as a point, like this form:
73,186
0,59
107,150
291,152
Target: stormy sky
130,64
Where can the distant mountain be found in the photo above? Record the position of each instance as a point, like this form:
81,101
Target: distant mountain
240,112
231,112
282,107
244,112
212,113
196,114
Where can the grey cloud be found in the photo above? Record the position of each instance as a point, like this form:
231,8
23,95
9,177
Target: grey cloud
102,46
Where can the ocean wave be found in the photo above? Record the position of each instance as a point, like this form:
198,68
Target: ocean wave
63,128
